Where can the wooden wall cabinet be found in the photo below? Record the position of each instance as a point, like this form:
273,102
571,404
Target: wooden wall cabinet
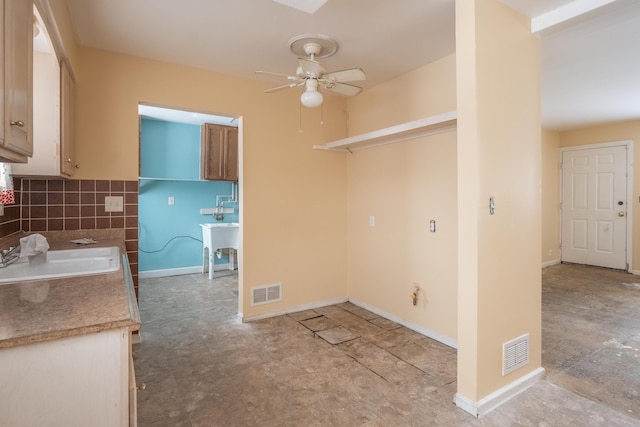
68,163
16,100
53,120
219,152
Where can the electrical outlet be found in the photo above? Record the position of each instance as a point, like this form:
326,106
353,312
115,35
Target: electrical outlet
372,221
113,204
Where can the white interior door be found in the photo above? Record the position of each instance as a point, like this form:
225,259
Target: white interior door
594,206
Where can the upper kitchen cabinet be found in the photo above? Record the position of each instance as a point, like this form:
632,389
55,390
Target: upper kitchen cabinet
16,102
219,152
67,160
53,109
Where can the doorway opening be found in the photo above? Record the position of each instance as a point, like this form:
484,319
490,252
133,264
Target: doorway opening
175,198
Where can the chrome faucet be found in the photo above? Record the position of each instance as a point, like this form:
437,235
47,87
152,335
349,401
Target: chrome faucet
9,256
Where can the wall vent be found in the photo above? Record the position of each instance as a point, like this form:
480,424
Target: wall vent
515,354
266,294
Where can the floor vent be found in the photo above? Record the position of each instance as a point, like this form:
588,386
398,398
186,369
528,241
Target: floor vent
266,294
515,354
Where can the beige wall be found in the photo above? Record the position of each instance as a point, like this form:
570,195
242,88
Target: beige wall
404,186
293,198
550,197
423,92
620,131
499,149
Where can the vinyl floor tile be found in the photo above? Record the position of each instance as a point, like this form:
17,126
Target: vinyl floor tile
203,367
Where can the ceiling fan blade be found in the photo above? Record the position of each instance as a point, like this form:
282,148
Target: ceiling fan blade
278,88
310,67
351,75
343,89
269,73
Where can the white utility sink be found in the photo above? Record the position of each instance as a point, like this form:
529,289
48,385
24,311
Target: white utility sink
216,236
64,263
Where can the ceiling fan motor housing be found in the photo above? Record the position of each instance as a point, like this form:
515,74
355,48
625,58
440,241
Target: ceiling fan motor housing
312,49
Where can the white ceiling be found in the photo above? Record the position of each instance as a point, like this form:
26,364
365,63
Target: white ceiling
588,61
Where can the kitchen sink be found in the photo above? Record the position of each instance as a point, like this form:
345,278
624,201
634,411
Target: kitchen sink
64,263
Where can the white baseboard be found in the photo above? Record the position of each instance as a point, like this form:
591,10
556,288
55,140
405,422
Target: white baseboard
444,340
295,309
550,263
500,396
150,274
169,272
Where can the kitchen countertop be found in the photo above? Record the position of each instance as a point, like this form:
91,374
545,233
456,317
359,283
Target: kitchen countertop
41,310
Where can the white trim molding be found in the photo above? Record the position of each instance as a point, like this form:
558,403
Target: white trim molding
550,263
295,309
151,274
628,144
500,396
198,269
426,332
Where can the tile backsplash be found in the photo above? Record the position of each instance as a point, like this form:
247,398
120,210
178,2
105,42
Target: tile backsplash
64,205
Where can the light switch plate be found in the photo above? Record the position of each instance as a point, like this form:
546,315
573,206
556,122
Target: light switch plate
113,204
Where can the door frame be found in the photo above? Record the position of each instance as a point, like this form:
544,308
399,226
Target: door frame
629,217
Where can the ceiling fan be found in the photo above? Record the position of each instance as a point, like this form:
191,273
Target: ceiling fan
310,73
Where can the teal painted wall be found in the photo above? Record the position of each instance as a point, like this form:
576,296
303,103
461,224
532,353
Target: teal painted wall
170,235
169,150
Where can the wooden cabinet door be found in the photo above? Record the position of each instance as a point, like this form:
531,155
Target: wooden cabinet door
219,152
231,155
18,82
68,162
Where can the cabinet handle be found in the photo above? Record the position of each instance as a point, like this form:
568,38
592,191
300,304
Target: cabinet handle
18,123
77,166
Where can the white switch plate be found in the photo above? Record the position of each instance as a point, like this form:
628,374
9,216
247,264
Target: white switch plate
171,201
113,204
372,221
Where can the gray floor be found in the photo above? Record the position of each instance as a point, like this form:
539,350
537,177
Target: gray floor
345,366
591,334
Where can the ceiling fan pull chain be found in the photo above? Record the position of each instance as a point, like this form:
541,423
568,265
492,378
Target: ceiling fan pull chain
300,117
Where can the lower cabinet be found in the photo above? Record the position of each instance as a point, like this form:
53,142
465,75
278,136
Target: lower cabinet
85,380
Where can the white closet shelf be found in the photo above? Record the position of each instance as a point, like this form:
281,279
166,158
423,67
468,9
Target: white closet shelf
431,125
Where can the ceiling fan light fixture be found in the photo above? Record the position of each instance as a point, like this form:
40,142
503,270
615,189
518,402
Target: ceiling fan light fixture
311,98
311,73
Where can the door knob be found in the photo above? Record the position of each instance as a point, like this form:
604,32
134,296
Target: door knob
620,213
